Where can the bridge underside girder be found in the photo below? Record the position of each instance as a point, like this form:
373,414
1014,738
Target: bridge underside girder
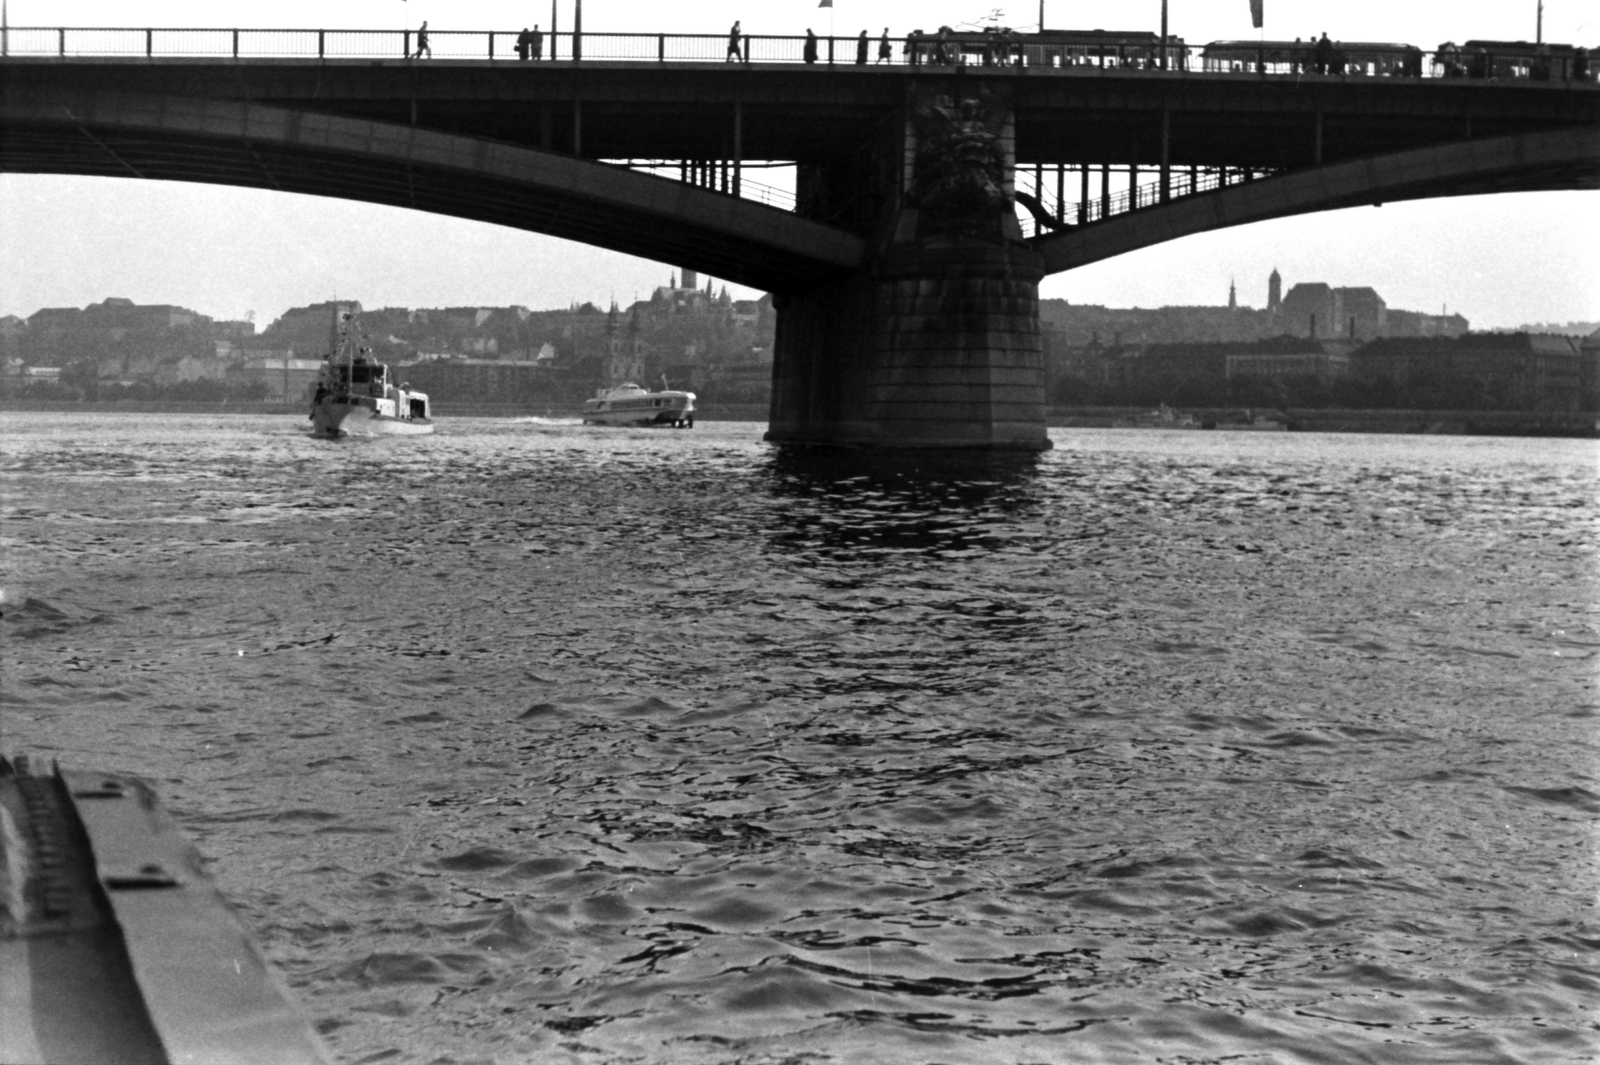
1533,162
271,148
1248,123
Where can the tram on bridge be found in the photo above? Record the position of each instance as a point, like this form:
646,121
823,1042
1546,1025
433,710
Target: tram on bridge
999,46
1474,59
1370,58
1514,59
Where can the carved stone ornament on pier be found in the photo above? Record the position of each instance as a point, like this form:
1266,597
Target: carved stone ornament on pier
958,179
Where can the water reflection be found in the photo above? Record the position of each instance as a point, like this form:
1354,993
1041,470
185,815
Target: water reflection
843,503
672,748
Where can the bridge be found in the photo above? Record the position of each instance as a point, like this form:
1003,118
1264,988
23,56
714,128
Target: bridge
930,197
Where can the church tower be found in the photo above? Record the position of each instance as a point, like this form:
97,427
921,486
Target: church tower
1233,295
1274,292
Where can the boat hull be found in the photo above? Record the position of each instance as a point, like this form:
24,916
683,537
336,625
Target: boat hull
682,419
331,419
631,405
117,944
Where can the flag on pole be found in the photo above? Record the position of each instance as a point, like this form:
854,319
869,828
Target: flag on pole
1256,14
826,3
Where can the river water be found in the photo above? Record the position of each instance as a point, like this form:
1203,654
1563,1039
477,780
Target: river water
536,742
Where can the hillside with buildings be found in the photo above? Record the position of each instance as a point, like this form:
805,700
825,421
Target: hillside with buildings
1571,329
690,336
1313,310
1314,346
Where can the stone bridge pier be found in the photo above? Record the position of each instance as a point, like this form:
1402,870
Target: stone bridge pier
935,342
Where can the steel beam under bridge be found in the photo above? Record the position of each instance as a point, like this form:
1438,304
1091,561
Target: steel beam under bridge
230,143
1532,162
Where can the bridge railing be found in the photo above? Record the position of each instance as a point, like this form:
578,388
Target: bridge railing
1023,51
93,42
1358,61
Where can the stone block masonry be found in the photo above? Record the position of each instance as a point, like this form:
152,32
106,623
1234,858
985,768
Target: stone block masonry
938,347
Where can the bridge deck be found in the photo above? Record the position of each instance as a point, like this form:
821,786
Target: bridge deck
637,109
515,143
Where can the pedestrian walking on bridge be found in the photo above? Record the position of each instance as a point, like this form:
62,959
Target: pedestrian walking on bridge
422,42
536,43
809,54
1322,55
885,53
734,36
862,44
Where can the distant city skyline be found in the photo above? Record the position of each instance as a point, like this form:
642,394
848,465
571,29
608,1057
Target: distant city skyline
69,241
604,303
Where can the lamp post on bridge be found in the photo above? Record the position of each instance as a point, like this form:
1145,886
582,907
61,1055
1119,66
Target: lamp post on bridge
1163,34
577,30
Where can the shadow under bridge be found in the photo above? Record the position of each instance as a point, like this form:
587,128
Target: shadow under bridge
1547,160
257,146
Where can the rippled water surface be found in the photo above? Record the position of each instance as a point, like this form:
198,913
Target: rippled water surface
534,742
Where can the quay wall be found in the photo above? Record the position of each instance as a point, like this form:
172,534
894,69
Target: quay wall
1448,422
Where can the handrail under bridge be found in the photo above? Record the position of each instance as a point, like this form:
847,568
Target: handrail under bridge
717,175
1104,191
1042,191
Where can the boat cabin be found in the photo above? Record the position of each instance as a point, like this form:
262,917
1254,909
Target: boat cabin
362,377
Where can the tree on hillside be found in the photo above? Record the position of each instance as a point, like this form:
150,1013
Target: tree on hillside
83,376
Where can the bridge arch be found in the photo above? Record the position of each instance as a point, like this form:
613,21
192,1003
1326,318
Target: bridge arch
924,336
290,150
1531,162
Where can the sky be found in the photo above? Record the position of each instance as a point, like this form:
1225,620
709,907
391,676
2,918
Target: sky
1501,261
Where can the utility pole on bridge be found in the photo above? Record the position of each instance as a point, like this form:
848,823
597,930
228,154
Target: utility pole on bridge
1163,34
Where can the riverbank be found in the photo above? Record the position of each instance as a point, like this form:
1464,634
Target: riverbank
1440,422
1432,422
747,412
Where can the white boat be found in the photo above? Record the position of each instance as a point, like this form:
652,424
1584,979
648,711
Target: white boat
354,394
1255,423
1163,418
631,405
